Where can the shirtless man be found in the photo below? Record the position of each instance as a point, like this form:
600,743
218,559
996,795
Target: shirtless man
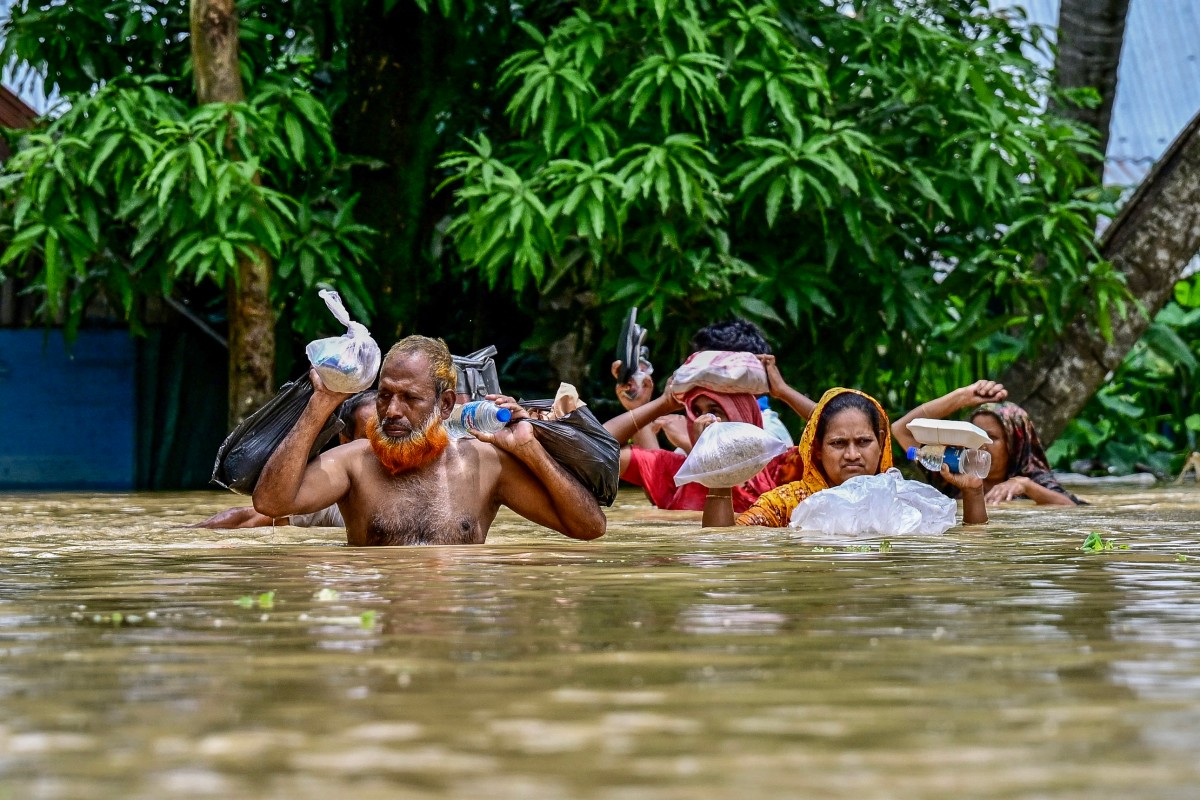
408,483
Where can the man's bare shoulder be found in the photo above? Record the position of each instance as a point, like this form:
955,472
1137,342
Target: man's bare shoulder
349,455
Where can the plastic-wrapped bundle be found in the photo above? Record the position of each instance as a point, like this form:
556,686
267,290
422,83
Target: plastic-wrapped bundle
245,451
347,363
728,454
582,446
721,371
876,505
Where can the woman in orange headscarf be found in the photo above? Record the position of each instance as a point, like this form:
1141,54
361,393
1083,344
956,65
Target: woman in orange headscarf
848,435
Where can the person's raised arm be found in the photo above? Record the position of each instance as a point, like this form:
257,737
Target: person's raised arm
779,389
626,425
633,394
538,488
288,483
975,394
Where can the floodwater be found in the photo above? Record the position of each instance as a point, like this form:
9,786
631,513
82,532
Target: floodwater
140,659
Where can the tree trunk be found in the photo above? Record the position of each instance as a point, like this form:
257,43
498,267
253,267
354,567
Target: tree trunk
214,29
1090,33
1151,241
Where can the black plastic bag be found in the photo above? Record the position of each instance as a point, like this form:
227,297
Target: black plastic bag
584,448
247,448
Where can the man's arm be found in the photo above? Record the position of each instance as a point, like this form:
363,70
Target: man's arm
288,483
538,488
975,394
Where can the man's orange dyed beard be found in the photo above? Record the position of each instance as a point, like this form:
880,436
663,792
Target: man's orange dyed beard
415,450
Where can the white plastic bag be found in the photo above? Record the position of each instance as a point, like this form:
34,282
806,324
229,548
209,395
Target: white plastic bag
728,454
876,505
721,371
347,363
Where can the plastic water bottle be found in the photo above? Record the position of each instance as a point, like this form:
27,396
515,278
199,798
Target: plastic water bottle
477,415
960,460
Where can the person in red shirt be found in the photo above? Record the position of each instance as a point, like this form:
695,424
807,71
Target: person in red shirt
654,469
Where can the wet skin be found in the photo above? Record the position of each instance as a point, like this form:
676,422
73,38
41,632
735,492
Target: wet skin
998,448
452,499
850,447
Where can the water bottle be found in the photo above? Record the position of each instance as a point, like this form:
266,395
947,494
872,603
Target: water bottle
960,460
477,415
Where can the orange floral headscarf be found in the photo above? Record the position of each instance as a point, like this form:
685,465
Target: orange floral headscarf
774,508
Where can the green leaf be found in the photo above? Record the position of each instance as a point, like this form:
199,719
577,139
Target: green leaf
295,137
198,164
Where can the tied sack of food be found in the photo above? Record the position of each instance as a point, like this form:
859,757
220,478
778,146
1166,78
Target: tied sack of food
347,363
728,454
876,505
575,439
721,371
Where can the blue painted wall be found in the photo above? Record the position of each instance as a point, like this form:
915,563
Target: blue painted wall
69,414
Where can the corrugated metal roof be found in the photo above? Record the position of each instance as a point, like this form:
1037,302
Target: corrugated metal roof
24,82
1158,82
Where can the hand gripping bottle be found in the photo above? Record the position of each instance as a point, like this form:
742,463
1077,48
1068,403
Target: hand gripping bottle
477,415
953,443
960,460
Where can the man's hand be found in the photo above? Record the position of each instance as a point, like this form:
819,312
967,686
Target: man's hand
981,392
512,438
516,434
320,388
1008,490
518,411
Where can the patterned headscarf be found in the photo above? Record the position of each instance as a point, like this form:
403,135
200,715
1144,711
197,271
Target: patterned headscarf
736,407
814,479
1025,453
774,508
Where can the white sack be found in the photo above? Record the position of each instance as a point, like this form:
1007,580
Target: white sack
728,454
347,363
721,371
877,505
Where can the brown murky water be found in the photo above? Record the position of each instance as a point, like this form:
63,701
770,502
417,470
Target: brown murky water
659,662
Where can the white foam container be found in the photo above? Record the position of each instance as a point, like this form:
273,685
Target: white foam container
948,432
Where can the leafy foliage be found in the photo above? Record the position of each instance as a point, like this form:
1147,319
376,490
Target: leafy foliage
1096,543
134,191
1147,417
874,182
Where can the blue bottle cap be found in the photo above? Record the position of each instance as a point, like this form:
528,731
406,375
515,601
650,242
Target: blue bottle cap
912,454
763,402
504,415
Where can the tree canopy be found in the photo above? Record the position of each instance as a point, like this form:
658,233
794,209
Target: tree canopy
877,183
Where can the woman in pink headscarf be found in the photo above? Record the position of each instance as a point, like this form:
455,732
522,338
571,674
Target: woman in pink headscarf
654,469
